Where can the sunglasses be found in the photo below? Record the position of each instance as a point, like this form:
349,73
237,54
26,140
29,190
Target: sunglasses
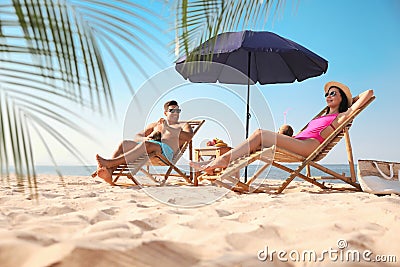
175,110
333,93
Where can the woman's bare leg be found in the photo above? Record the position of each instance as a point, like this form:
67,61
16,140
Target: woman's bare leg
201,165
249,145
261,138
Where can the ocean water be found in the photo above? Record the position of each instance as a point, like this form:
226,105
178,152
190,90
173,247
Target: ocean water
269,173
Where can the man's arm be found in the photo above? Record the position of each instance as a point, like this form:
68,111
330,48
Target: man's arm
142,136
186,133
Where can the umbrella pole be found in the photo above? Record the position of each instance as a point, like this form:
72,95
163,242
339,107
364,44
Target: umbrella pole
248,106
248,95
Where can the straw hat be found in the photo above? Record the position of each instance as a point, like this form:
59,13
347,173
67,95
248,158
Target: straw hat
343,87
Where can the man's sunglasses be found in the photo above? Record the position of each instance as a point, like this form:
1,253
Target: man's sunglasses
332,93
175,110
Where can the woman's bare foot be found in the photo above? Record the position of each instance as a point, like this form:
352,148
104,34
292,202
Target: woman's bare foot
199,166
220,162
106,175
102,162
210,166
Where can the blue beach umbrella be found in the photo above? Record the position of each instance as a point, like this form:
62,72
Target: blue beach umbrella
262,57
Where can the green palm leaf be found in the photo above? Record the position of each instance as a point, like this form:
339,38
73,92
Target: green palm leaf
52,51
200,20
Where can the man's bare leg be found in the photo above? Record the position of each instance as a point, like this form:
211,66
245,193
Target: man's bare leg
107,166
125,145
144,148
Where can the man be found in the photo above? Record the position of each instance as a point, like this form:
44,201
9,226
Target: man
173,134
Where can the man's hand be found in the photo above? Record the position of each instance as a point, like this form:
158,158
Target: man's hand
162,125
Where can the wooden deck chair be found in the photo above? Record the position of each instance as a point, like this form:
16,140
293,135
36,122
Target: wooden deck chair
231,173
144,164
282,156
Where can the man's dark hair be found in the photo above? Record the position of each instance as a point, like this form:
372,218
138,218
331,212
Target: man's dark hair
170,103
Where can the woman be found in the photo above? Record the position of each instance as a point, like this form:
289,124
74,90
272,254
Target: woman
339,101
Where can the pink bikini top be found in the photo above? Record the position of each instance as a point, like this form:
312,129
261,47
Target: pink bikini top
316,126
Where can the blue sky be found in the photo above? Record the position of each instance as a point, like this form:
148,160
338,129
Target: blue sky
360,40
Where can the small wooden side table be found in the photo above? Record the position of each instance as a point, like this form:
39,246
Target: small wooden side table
211,152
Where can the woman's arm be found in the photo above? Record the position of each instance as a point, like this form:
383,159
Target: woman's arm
358,102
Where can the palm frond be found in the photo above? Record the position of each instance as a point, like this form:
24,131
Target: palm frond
54,50
200,20
22,112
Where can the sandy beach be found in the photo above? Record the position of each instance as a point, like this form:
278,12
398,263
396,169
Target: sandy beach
85,222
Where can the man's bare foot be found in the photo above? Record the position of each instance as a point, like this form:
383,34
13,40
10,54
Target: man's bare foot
94,174
102,162
106,175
